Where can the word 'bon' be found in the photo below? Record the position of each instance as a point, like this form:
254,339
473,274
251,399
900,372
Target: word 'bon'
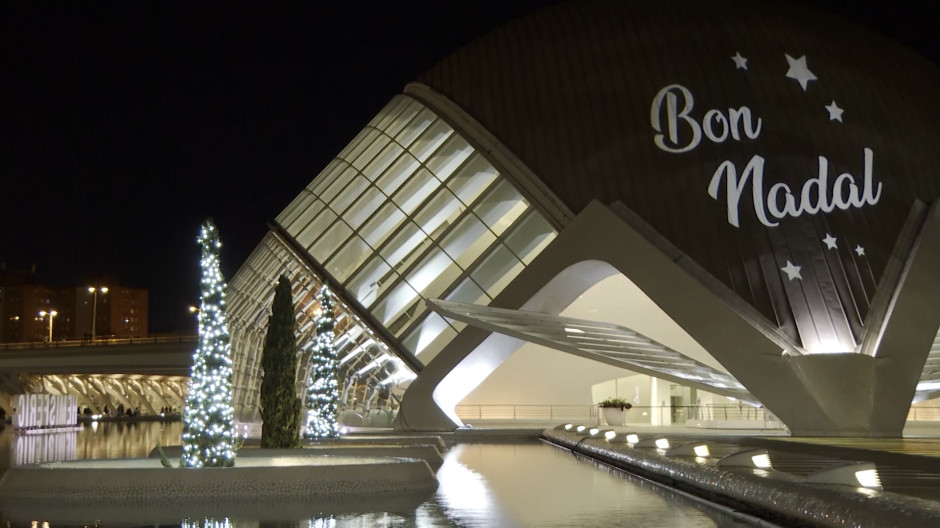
715,125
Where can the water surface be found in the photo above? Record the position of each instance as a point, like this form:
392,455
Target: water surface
482,485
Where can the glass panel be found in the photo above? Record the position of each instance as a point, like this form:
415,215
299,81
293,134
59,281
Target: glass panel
367,138
497,270
415,127
390,112
301,222
530,237
395,303
402,119
432,265
472,179
382,224
430,139
439,213
349,194
382,161
399,172
348,259
415,191
446,159
299,206
429,337
310,233
401,248
469,292
341,181
370,280
468,240
370,200
500,207
380,142
326,176
331,239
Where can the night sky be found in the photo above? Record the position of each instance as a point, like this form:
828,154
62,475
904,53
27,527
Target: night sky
124,124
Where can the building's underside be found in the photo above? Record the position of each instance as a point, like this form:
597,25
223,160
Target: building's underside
470,212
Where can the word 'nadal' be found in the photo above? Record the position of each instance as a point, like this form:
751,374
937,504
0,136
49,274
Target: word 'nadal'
715,125
818,194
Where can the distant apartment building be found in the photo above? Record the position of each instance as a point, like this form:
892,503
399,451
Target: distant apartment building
25,308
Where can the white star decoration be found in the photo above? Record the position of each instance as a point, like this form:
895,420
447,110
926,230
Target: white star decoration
799,71
830,241
835,113
860,250
739,61
793,272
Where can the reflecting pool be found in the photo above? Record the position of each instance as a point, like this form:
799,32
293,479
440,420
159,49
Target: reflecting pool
480,485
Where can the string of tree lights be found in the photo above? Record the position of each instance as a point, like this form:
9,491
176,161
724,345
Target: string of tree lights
208,432
322,386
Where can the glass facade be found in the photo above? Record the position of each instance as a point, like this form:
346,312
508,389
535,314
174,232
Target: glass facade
371,378
408,211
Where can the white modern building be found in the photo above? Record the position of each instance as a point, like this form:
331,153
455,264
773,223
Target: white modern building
676,203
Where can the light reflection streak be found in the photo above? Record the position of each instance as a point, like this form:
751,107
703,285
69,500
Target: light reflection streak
465,494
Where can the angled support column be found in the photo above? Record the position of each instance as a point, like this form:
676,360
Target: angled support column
909,331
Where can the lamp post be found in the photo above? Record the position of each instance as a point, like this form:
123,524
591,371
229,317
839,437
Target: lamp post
94,307
51,314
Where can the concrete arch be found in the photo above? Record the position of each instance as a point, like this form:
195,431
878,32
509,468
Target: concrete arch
799,389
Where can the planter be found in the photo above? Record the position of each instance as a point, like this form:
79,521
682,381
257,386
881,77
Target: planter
614,415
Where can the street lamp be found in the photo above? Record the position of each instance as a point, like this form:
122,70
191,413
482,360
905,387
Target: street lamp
51,314
94,306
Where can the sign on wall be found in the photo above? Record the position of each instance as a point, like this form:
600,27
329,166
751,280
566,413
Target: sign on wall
45,411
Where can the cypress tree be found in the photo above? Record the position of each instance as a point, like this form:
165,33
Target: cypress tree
280,405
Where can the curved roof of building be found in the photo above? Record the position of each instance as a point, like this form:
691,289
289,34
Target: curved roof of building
571,89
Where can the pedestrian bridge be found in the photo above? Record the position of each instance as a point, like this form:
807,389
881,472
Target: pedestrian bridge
145,373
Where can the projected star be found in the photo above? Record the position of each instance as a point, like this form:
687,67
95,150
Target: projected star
739,61
835,113
799,71
860,250
830,241
793,272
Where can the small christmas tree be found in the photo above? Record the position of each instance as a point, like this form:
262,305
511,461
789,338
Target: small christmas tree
208,432
280,406
322,387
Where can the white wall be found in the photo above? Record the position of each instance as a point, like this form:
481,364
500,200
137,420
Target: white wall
539,375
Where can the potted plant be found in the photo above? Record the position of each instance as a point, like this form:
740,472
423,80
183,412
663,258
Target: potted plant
615,410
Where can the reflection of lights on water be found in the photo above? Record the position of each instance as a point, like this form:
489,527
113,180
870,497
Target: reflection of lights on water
45,447
463,491
206,523
322,523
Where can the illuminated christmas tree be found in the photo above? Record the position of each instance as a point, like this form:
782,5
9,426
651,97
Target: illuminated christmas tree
208,432
322,386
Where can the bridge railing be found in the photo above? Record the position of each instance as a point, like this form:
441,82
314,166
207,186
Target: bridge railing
103,341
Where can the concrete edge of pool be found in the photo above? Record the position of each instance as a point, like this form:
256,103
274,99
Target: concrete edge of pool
780,498
298,482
